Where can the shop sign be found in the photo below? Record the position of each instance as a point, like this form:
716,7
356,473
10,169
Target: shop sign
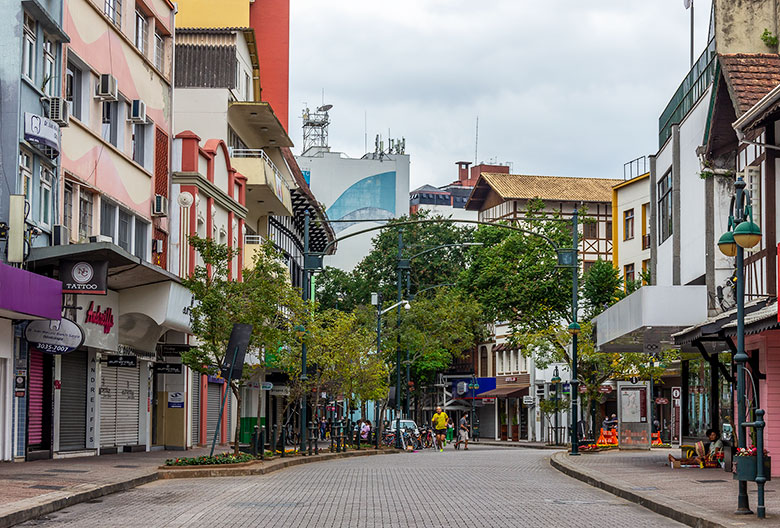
176,400
89,278
661,401
605,389
215,379
42,131
528,400
510,380
104,318
123,361
488,400
167,368
280,391
54,337
266,385
172,350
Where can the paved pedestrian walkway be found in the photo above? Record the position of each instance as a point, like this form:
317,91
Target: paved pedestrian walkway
645,476
490,487
506,443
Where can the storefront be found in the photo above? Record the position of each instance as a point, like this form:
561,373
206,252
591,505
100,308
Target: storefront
510,414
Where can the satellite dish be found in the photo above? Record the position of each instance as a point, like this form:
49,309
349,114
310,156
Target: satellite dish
687,3
325,108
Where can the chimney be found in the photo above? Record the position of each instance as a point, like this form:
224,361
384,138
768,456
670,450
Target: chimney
463,171
740,23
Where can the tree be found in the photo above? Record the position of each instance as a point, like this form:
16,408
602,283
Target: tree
264,298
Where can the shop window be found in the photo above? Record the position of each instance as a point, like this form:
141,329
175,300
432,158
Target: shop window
665,213
49,69
28,48
45,206
159,51
25,174
628,224
141,32
86,199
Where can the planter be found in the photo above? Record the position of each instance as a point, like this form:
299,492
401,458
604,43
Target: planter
747,466
516,433
503,432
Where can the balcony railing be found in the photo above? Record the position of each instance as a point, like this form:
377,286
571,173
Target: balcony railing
692,88
645,241
258,153
253,239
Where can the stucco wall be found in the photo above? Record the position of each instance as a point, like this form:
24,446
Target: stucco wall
740,23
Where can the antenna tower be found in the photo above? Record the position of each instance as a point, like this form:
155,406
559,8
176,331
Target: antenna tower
315,127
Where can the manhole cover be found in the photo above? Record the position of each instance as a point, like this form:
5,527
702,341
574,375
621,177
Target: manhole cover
67,471
645,488
47,487
710,481
126,466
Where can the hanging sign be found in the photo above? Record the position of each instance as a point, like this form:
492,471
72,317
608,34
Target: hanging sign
54,337
167,368
605,389
266,385
661,401
122,361
42,131
84,277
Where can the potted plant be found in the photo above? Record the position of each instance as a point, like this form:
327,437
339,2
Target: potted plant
515,429
746,461
503,426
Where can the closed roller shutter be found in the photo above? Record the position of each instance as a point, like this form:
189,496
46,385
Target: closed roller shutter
127,403
108,394
195,392
212,409
73,401
35,400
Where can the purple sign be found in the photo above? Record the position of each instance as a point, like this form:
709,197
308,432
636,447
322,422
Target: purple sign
29,294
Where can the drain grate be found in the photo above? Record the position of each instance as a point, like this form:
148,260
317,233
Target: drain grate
47,487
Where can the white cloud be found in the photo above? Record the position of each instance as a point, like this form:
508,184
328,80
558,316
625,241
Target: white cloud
561,87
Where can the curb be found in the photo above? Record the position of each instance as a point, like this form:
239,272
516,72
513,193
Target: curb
86,492
671,508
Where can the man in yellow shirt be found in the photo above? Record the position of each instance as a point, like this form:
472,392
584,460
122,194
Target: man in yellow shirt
440,420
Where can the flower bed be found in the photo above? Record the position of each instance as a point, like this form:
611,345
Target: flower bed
216,460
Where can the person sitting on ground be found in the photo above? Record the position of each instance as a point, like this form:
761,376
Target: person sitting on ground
702,454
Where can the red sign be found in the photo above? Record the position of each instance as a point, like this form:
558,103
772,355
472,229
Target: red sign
583,389
57,384
605,389
104,318
661,401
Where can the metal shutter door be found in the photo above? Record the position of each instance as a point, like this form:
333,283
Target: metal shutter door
108,393
73,401
35,401
212,409
127,402
195,409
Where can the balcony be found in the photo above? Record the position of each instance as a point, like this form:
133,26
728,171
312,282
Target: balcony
645,242
257,124
267,192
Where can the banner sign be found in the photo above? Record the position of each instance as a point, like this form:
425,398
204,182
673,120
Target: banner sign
233,367
122,361
84,277
167,368
42,131
54,337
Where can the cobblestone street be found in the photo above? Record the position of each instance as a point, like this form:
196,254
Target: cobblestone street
486,486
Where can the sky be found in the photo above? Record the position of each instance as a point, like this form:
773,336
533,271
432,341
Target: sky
561,87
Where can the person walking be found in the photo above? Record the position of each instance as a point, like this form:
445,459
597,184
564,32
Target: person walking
463,432
439,421
323,428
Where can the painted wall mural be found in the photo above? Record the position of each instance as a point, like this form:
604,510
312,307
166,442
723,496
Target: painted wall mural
371,197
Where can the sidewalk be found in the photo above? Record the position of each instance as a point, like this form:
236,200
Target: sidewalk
528,445
697,497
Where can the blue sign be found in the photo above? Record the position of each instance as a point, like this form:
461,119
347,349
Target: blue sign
485,384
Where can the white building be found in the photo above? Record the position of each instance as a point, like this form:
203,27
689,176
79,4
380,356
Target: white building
631,229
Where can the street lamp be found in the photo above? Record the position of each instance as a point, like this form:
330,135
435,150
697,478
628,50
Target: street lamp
473,386
742,234
556,381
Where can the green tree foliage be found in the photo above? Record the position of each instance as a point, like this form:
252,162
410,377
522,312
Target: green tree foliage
264,298
603,287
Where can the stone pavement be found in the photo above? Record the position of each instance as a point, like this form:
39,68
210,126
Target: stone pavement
486,486
706,497
530,445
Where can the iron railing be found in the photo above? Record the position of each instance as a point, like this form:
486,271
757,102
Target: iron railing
691,90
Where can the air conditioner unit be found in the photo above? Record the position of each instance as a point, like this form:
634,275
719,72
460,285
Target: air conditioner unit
107,88
60,235
137,112
100,238
160,205
157,245
59,111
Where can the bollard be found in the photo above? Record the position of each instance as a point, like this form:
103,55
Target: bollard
254,442
357,438
262,443
274,441
284,441
332,436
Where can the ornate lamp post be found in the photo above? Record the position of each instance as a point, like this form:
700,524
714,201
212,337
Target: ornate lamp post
556,381
742,234
473,386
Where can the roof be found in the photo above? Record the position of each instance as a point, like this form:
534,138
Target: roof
635,179
750,77
713,325
555,188
756,322
429,189
210,30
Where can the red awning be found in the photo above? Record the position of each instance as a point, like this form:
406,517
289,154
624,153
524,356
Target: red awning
512,391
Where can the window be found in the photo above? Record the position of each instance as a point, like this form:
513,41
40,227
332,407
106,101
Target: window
665,219
159,51
628,273
47,180
28,49
139,137
645,268
237,80
141,231
107,219
73,89
141,32
67,206
110,130
49,70
628,224
590,230
608,229
125,230
113,10
586,265
25,174
85,214
247,87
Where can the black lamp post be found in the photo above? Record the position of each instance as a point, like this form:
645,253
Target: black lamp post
473,386
556,381
743,234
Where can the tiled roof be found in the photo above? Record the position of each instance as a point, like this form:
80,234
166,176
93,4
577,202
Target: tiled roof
750,77
561,188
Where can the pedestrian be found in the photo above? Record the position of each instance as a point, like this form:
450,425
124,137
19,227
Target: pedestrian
365,430
323,428
463,432
439,421
450,429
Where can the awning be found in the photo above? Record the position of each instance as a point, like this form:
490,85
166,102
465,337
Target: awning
756,322
713,326
513,391
27,295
